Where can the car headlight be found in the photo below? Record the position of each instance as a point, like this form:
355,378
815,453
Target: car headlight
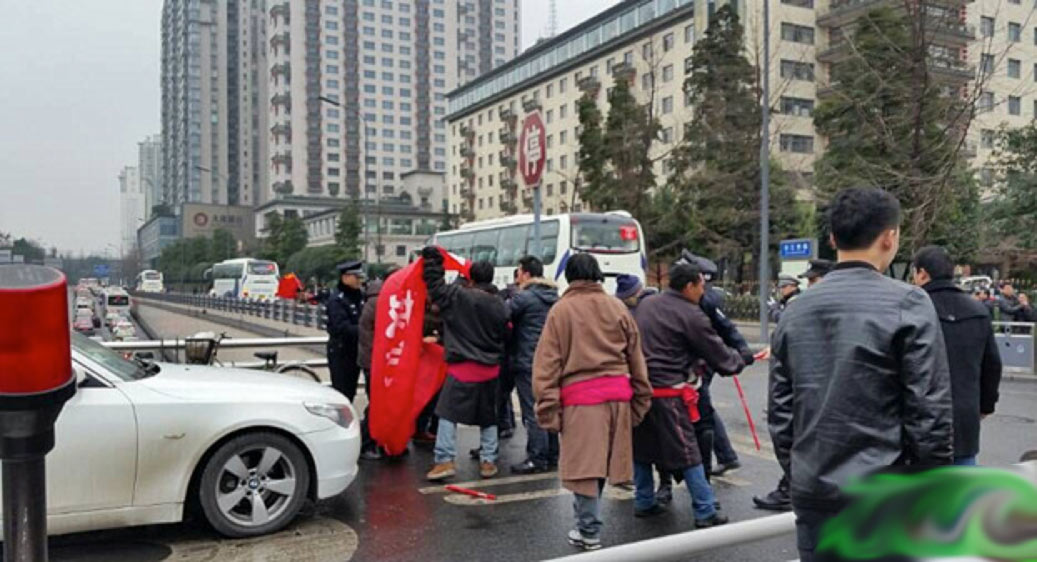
341,414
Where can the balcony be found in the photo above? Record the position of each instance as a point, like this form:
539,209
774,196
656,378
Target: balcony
842,12
281,99
281,69
467,173
467,215
281,129
951,68
507,115
527,199
623,71
507,160
280,10
283,187
508,184
282,159
508,207
531,104
507,136
467,193
467,152
467,131
589,85
280,40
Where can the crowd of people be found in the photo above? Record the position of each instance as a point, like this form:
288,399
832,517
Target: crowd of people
615,387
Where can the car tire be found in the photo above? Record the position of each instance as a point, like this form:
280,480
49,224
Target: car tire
253,484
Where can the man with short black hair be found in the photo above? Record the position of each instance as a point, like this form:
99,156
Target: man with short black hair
676,336
859,378
528,310
474,326
972,353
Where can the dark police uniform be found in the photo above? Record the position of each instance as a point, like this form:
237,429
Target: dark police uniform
344,306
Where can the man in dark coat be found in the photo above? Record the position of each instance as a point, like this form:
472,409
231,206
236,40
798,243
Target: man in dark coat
528,310
972,353
1014,307
676,335
474,330
859,379
343,308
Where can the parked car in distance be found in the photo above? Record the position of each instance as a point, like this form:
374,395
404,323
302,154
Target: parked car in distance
83,324
124,330
246,449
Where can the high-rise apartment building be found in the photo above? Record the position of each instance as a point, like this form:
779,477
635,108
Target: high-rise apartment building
131,208
149,166
357,88
987,43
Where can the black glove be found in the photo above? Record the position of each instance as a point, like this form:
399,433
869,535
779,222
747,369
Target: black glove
747,356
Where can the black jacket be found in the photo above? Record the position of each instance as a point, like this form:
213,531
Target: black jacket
344,306
974,360
858,382
675,335
712,302
474,318
528,309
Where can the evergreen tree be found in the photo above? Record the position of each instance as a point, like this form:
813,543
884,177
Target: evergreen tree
891,125
592,151
350,230
1014,211
285,236
223,246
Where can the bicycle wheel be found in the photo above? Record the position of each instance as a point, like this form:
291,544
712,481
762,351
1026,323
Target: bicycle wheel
299,371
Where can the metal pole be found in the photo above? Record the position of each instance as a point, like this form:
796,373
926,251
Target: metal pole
765,176
25,509
537,247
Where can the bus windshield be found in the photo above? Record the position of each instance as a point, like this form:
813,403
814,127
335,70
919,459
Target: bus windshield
607,235
262,268
118,300
152,276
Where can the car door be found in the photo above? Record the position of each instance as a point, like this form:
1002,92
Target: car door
94,462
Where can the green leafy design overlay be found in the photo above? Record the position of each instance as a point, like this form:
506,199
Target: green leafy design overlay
949,511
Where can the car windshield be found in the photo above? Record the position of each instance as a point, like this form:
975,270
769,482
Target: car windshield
110,360
606,235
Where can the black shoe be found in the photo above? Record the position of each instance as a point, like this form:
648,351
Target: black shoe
777,500
506,434
656,509
528,467
372,454
664,495
474,453
714,521
726,467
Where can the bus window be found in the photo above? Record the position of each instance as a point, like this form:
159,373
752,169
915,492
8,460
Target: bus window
461,244
484,247
548,241
512,245
606,237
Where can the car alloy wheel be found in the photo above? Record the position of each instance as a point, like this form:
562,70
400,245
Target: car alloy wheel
254,484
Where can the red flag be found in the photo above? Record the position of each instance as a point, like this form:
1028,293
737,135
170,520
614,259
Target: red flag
405,373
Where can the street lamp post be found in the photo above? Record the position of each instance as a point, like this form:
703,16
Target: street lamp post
360,130
765,175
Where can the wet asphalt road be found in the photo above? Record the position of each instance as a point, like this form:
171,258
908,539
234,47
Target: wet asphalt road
391,514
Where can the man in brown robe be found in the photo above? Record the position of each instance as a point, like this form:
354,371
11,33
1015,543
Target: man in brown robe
591,386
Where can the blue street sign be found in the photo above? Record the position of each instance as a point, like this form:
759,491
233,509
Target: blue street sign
799,249
101,270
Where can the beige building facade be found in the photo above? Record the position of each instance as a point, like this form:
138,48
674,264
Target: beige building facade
651,41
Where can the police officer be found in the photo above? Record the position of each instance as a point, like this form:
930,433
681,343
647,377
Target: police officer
344,306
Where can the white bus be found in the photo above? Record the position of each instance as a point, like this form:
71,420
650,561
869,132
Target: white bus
114,301
614,238
150,281
245,278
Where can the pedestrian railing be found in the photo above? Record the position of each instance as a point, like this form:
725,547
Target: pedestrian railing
1016,341
279,310
683,545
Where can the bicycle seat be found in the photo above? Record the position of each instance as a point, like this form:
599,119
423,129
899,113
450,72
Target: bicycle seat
266,355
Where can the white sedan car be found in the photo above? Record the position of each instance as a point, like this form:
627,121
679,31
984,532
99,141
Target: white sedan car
140,442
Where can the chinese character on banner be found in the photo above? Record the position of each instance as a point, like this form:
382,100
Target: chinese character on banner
533,149
399,313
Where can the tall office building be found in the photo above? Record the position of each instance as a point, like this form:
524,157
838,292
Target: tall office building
650,42
149,166
131,208
213,58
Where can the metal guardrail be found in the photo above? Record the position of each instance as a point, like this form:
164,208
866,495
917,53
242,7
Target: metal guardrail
308,315
683,545
229,343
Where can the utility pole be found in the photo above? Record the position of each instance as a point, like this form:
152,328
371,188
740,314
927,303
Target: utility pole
765,176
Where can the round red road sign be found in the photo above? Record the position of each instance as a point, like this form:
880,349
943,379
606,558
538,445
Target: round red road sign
532,149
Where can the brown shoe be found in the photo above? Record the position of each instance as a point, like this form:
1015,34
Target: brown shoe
441,471
487,469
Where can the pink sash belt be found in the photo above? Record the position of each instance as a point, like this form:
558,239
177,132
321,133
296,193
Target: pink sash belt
611,388
472,372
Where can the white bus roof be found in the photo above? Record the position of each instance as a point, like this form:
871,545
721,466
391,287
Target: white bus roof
525,219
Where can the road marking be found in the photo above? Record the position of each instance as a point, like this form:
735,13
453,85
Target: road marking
732,480
474,484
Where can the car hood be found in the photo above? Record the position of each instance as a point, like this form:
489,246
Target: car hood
208,384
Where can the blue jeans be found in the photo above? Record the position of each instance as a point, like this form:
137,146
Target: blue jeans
446,442
721,443
541,445
968,460
588,513
702,498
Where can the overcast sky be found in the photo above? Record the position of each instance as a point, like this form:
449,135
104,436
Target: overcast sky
79,86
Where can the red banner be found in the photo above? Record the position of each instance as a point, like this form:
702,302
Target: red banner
405,372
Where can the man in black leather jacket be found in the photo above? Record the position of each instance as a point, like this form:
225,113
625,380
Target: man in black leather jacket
859,378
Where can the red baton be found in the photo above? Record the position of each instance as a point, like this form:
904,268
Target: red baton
473,493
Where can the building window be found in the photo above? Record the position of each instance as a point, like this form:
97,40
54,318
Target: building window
1014,66
802,144
797,106
986,138
401,251
797,33
1015,32
667,105
1015,105
667,42
986,26
985,102
689,33
668,73
667,135
799,3
646,81
986,64
797,70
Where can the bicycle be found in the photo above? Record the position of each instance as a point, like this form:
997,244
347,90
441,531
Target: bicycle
203,349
